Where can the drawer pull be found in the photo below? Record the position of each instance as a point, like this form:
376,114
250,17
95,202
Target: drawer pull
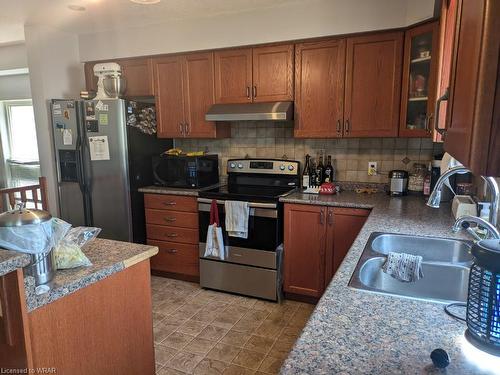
172,235
237,255
169,203
172,251
169,219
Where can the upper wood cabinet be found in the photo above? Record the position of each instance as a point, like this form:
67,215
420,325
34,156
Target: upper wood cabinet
139,76
261,74
319,88
316,240
233,76
167,73
418,94
184,91
272,73
373,85
138,73
473,112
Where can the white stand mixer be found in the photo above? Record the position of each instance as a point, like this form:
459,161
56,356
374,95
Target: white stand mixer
108,70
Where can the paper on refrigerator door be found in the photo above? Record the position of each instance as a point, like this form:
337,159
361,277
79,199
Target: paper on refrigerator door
99,148
67,137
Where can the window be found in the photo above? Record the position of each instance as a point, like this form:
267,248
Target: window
20,143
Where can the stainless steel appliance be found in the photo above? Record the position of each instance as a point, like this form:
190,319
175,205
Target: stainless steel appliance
398,183
271,111
102,162
252,265
186,171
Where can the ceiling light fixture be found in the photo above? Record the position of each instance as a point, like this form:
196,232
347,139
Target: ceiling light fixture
76,8
145,2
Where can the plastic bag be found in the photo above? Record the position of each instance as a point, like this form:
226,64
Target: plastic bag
69,254
33,238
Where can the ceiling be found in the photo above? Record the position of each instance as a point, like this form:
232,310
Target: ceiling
102,15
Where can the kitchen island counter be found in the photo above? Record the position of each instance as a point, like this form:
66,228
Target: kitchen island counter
11,260
107,257
357,332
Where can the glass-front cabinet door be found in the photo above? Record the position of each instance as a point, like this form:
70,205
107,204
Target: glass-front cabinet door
419,81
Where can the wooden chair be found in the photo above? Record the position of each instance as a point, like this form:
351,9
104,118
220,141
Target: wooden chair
37,199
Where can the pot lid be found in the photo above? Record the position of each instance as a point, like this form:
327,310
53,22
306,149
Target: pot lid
23,216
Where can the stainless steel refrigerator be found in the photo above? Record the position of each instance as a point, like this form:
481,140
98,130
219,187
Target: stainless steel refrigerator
102,162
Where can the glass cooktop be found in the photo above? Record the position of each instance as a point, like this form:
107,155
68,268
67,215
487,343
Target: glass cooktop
247,193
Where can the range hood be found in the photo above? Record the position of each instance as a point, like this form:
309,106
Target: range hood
275,111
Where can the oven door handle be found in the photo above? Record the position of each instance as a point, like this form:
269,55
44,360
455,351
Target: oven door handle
250,204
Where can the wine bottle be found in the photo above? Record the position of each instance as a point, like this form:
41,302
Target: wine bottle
320,172
313,178
329,171
306,174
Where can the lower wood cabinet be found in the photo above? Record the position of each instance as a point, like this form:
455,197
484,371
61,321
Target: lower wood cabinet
317,238
172,225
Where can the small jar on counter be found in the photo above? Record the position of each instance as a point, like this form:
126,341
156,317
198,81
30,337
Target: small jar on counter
416,179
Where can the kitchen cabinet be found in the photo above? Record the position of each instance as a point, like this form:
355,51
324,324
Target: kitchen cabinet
319,89
418,94
316,240
373,85
184,91
172,225
138,73
472,133
260,74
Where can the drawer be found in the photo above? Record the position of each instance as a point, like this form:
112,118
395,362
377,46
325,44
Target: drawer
176,258
173,234
172,218
171,202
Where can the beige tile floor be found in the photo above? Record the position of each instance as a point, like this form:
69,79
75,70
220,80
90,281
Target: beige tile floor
202,332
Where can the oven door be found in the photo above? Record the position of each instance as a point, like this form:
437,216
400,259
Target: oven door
265,230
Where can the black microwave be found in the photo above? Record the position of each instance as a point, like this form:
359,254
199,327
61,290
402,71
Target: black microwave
186,171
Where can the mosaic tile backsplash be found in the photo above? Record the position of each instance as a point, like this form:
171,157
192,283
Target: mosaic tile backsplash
275,140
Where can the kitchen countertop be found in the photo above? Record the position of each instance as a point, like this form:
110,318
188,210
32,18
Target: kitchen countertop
107,257
174,191
357,332
11,260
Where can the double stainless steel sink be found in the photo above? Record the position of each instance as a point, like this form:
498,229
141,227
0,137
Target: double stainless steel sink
446,264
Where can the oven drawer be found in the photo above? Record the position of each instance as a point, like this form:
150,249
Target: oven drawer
170,202
175,258
236,278
172,218
174,234
250,257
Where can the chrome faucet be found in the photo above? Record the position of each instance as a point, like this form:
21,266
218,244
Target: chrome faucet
495,198
464,223
435,197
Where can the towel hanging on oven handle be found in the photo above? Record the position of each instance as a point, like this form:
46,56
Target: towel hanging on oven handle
214,246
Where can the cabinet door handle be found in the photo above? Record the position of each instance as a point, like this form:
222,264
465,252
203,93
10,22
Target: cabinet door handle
171,235
254,91
427,123
171,203
172,251
441,99
248,93
321,217
187,128
181,128
338,128
347,126
169,219
330,217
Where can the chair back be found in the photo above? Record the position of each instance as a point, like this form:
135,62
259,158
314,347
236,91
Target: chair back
33,196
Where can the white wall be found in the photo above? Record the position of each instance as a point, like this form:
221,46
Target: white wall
55,72
13,56
294,20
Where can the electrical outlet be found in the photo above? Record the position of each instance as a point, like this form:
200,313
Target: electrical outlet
372,168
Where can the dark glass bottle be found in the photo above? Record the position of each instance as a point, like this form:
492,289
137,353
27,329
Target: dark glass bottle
329,170
320,172
313,178
306,175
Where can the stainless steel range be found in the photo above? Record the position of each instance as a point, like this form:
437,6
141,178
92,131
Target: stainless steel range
252,266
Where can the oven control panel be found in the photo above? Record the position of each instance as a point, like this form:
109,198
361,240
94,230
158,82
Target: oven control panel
271,166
